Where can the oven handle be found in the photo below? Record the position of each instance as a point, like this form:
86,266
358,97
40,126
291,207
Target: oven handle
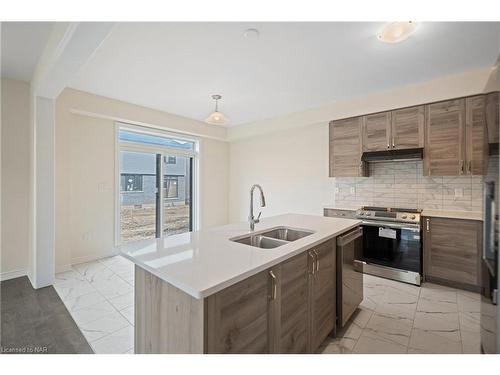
349,236
413,228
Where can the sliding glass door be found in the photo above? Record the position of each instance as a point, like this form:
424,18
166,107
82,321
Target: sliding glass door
156,186
139,203
177,193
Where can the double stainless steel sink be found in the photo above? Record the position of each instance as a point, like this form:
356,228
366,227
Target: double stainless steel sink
272,238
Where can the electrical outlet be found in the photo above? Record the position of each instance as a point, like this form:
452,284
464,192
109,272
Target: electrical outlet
102,187
353,190
459,193
337,190
87,236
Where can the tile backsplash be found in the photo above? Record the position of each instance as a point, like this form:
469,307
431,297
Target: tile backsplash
402,184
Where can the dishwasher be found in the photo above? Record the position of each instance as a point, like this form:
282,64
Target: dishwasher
349,281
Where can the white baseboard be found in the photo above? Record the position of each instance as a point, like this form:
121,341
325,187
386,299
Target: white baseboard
12,274
94,256
63,268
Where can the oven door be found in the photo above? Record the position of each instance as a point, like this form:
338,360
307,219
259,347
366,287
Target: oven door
392,245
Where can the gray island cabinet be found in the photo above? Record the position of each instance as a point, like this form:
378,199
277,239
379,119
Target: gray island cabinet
203,293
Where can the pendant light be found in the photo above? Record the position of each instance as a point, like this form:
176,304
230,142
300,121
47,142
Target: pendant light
216,117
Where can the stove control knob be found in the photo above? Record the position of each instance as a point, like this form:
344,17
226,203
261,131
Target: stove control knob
413,217
404,216
368,214
361,213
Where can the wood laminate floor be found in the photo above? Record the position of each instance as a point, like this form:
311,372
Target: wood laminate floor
36,321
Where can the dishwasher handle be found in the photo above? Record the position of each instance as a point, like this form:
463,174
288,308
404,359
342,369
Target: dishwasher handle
350,236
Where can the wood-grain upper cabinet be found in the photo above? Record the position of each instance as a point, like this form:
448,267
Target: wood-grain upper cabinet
322,293
291,322
452,249
476,137
492,116
444,139
407,128
346,147
238,317
376,132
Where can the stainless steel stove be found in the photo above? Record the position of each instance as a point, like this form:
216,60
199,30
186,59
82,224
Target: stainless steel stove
392,243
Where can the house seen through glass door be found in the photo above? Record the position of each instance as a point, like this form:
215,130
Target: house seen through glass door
156,188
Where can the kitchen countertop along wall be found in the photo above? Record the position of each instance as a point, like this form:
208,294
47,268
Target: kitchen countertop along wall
402,184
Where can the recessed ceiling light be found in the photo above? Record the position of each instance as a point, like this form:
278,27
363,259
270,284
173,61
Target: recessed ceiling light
251,33
395,32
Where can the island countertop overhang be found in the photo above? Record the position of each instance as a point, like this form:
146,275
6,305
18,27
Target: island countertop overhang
204,262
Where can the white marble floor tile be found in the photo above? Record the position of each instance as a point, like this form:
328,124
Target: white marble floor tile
437,322
84,301
117,342
433,342
113,287
72,292
128,313
123,301
435,305
391,328
468,302
372,343
88,268
103,326
68,278
470,321
91,313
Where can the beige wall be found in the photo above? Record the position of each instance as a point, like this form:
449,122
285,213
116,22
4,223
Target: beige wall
85,172
15,178
289,155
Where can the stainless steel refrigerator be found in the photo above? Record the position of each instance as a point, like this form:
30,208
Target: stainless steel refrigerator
490,268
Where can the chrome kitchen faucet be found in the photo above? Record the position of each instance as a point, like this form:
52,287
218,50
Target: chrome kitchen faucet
251,218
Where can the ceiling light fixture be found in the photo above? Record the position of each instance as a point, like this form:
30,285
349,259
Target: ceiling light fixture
251,33
216,117
395,32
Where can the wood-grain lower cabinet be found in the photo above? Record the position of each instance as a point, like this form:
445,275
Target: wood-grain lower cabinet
452,249
238,317
291,314
322,293
290,308
345,148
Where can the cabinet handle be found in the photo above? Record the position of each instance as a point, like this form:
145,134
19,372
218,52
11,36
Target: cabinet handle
469,163
461,167
388,145
317,260
393,143
313,262
273,285
427,225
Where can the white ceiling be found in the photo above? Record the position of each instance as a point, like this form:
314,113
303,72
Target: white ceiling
22,46
176,67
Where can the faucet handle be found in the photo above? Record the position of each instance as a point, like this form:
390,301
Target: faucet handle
258,217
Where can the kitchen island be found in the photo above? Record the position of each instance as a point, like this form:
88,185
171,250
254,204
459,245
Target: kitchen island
203,292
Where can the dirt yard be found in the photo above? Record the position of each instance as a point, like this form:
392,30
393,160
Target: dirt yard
139,223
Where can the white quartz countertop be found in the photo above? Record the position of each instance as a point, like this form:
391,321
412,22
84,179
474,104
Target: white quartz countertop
204,262
470,215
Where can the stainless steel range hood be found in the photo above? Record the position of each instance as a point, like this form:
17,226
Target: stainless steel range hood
408,154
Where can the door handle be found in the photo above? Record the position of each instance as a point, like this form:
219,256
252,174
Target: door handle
317,260
427,224
313,262
273,285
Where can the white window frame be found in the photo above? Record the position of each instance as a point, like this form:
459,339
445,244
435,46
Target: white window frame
164,151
